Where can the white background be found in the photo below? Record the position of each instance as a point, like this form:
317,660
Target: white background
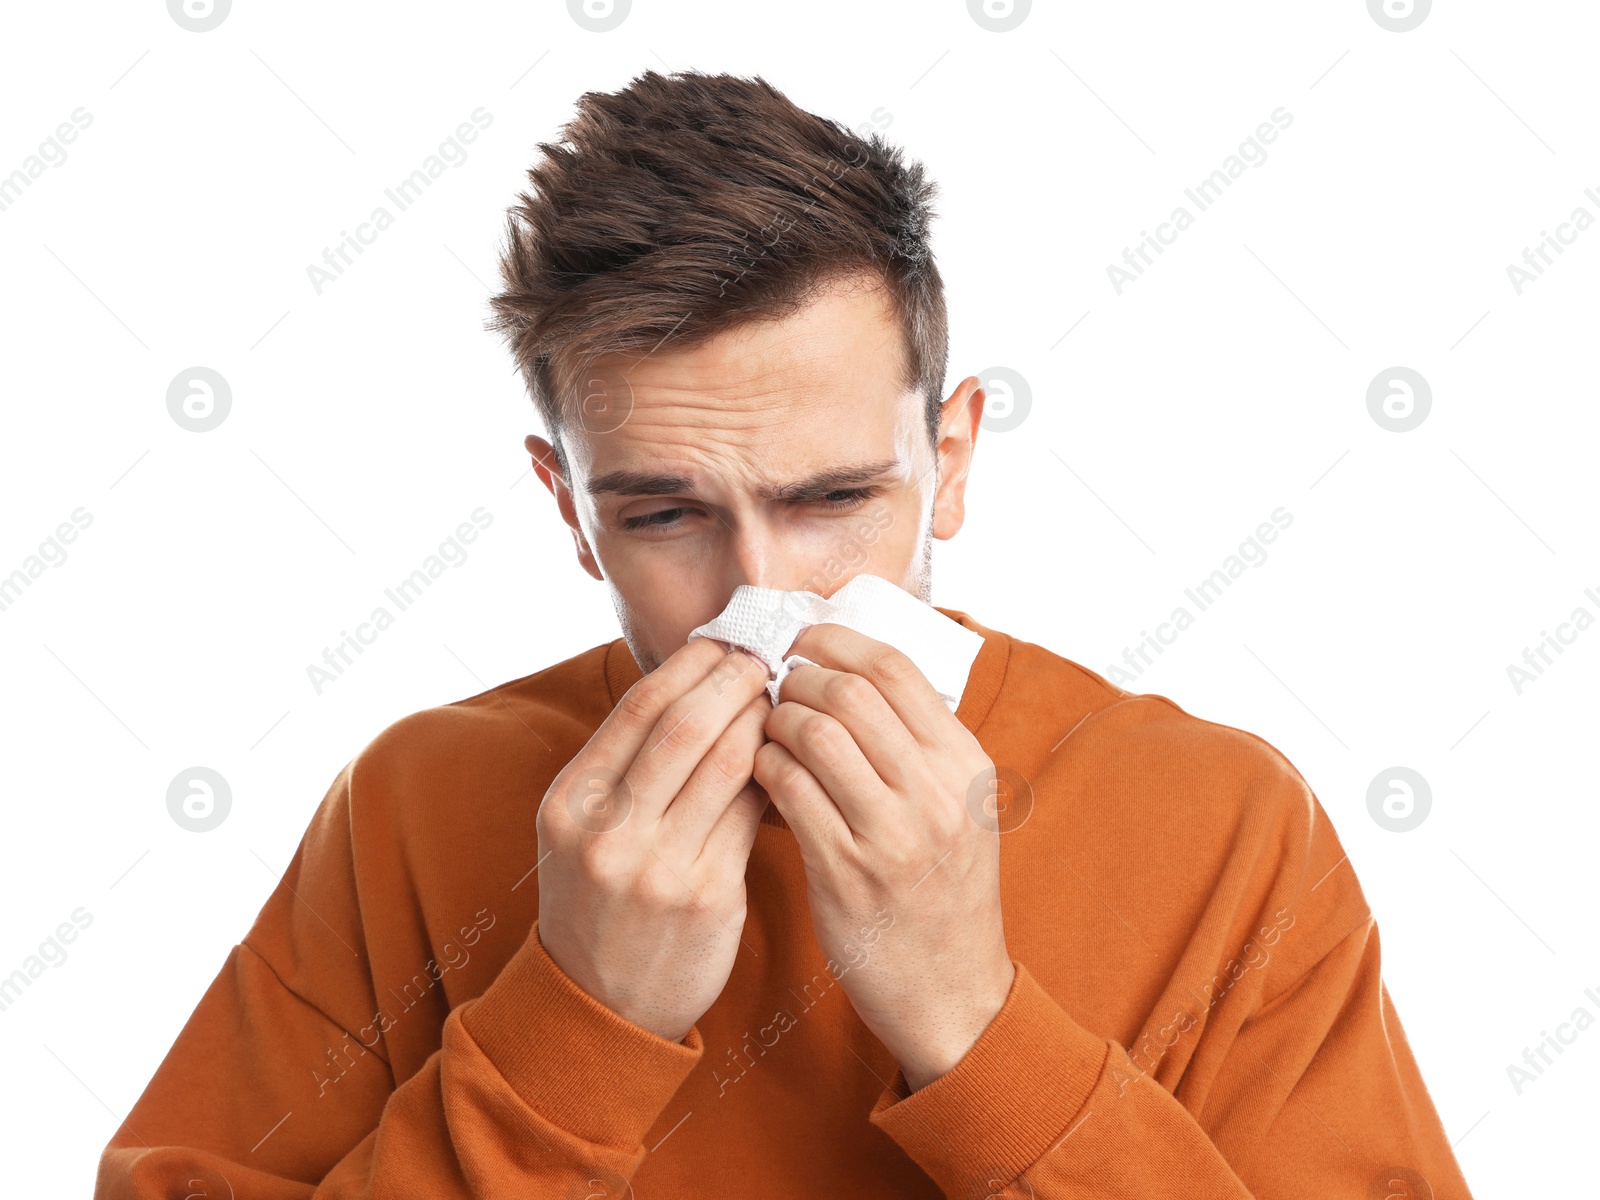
370,420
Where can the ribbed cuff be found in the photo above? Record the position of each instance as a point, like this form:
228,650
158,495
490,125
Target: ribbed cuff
1007,1102
581,1065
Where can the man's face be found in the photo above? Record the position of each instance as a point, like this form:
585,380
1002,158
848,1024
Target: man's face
784,454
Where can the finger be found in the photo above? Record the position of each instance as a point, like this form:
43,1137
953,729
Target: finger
622,734
898,680
887,745
825,748
687,728
713,785
817,823
728,846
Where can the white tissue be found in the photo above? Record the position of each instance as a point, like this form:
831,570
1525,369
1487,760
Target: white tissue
766,621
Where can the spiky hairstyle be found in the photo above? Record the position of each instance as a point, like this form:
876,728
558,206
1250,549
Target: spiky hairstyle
683,205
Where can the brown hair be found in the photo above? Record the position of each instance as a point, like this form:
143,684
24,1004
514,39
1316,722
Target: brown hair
683,205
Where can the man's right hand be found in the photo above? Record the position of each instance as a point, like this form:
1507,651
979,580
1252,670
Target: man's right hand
644,837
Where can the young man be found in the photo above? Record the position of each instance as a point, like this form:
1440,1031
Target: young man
625,924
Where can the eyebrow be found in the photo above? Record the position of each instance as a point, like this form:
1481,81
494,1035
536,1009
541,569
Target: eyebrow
650,483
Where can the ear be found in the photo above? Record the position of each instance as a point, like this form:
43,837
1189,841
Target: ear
958,436
549,473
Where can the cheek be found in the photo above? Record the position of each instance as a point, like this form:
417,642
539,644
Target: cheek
890,534
880,538
658,599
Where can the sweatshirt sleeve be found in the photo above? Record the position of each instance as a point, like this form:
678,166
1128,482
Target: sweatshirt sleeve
1317,1093
536,1089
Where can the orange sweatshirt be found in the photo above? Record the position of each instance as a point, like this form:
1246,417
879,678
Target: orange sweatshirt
1197,1008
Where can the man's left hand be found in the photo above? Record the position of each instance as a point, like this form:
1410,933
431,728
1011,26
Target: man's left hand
889,796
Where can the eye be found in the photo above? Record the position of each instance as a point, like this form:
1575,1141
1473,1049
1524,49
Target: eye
659,519
846,497
837,500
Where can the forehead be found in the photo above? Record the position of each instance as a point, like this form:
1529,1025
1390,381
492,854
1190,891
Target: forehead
789,390
846,330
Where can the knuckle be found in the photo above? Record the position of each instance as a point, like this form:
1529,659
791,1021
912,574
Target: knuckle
819,734
850,692
659,889
543,826
553,821
890,667
726,767
890,870
735,670
791,775
769,757
947,825
604,861
641,704
775,768
717,773
683,725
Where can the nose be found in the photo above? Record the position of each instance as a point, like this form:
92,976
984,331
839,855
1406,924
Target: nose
754,555
756,552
